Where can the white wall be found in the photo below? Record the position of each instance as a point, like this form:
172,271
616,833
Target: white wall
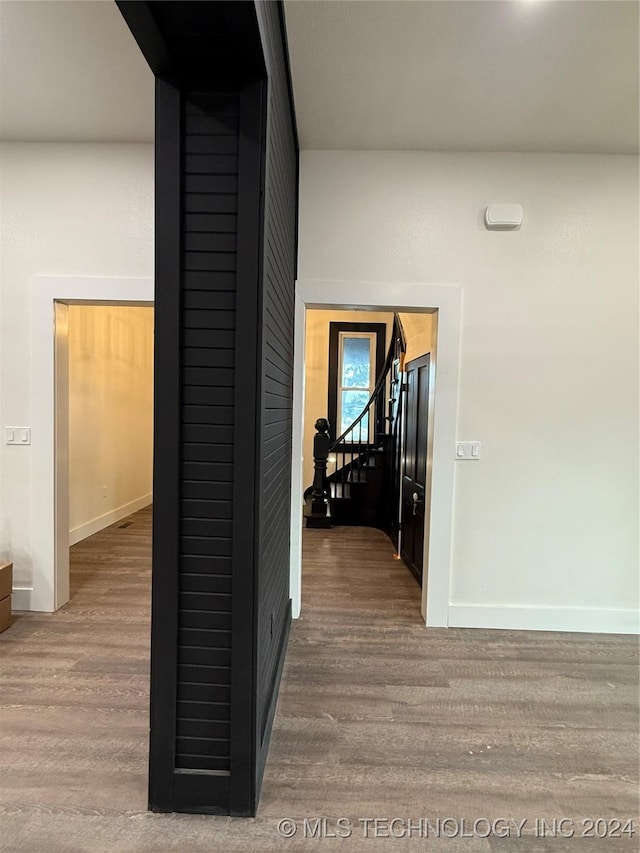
546,524
66,209
110,414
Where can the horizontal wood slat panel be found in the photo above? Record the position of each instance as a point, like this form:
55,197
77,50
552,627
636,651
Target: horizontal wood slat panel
214,433
202,728
210,261
208,281
200,638
194,594
202,104
276,430
207,164
207,453
219,527
205,563
211,675
207,357
210,203
211,472
209,144
217,711
212,602
198,318
204,656
209,377
201,762
206,490
209,338
200,619
219,125
210,747
199,692
214,300
210,222
206,509
209,242
277,323
198,400
205,546
209,407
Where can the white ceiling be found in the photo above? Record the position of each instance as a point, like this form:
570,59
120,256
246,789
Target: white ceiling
471,75
516,75
70,70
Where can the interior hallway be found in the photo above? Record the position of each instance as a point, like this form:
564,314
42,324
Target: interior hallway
377,717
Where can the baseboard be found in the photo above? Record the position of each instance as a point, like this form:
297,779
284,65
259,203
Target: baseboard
96,524
573,619
21,598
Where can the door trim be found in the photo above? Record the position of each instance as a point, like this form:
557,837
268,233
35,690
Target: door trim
49,588
446,300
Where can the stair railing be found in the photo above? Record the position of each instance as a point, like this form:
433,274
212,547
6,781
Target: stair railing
350,454
340,466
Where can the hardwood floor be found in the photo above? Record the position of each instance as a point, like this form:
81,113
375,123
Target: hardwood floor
378,717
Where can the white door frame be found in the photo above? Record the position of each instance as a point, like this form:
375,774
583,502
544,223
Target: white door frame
49,446
391,296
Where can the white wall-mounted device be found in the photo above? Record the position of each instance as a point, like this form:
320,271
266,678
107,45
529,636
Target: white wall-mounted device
503,217
17,435
468,449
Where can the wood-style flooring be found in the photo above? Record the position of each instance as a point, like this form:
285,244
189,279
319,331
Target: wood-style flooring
378,717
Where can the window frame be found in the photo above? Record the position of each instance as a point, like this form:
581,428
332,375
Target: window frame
337,332
340,388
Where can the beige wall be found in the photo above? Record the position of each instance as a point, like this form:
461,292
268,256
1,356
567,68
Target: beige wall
316,377
110,414
418,332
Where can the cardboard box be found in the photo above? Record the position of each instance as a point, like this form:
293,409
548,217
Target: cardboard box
6,579
5,613
6,583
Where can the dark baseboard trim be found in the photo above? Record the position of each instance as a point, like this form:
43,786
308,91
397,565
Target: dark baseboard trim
200,793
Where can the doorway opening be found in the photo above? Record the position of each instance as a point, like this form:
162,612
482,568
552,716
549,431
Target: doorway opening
52,296
430,517
373,371
104,431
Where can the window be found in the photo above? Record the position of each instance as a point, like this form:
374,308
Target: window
356,363
356,358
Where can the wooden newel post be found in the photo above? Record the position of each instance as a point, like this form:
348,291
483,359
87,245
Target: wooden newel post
321,444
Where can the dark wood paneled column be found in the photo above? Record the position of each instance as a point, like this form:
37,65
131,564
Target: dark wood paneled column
226,196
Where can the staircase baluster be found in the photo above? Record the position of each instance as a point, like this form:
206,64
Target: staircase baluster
317,513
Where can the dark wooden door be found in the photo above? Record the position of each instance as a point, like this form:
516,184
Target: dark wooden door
414,472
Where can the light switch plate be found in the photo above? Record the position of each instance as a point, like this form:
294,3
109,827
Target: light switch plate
17,435
468,450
